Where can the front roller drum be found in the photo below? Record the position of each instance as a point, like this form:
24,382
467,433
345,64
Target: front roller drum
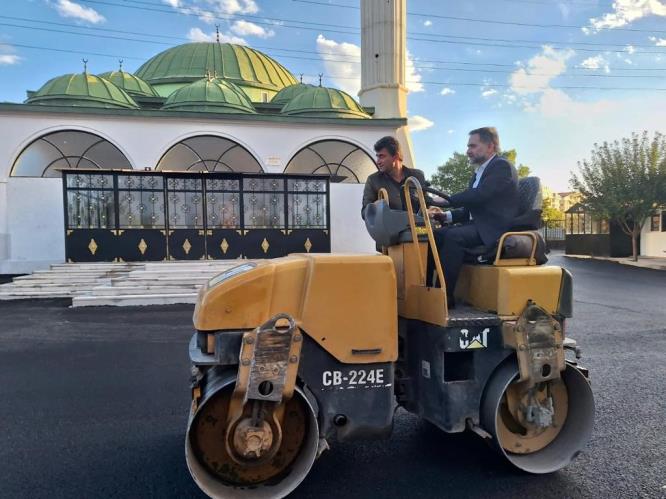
545,440
221,475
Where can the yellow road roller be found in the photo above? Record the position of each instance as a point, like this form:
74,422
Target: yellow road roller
294,353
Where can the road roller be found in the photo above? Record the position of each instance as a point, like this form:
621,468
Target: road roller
294,354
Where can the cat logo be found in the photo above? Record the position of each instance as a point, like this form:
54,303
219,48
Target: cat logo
477,341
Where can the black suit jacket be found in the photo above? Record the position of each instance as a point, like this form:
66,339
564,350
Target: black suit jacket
378,180
493,205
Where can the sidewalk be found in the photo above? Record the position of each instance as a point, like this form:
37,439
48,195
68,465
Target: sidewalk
656,263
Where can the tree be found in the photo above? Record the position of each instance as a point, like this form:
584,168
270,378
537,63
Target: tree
550,215
454,175
624,181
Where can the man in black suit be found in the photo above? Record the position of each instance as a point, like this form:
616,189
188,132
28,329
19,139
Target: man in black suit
484,211
391,176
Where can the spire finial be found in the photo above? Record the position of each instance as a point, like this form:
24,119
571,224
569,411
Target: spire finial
321,75
217,32
301,77
120,64
209,75
85,65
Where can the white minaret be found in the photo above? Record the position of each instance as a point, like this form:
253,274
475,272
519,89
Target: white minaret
383,60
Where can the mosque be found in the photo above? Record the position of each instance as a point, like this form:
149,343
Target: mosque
208,150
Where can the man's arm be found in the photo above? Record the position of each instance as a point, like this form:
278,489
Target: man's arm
369,195
497,180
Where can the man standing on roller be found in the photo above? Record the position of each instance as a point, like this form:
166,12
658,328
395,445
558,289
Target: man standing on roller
482,212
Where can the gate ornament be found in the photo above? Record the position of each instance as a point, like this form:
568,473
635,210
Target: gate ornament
142,246
92,246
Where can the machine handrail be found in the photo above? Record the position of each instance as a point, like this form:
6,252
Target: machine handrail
530,261
431,237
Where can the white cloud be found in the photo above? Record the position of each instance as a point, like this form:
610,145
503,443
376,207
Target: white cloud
488,93
631,49
211,11
245,28
596,62
173,3
625,12
447,91
450,131
418,123
342,60
564,9
427,23
9,59
540,70
197,35
66,8
659,42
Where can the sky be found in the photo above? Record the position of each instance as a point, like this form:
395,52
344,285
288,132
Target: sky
554,77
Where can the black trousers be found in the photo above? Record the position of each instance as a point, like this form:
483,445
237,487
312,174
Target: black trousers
451,243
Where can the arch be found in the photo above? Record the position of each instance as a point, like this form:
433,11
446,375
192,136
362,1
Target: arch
335,157
44,155
208,152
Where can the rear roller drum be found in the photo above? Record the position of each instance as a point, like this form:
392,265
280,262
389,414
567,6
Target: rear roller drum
539,429
257,474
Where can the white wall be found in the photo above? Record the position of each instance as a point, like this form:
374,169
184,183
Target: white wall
31,210
652,243
348,232
35,224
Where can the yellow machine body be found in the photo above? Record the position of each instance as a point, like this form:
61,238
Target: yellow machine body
346,303
506,290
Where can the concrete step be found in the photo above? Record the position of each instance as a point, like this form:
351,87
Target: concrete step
147,290
51,284
161,280
134,300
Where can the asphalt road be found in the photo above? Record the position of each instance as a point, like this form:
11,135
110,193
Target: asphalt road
93,403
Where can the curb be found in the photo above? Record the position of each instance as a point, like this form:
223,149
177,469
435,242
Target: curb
621,261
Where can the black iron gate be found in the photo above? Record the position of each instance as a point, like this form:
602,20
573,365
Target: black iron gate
137,215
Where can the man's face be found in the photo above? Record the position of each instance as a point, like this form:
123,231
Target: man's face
386,162
478,152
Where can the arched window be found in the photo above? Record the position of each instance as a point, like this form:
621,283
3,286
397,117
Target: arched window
68,149
333,157
209,153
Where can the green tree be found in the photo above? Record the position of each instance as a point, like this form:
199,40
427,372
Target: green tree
551,216
624,181
454,175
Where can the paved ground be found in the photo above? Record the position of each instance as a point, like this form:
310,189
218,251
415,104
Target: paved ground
94,404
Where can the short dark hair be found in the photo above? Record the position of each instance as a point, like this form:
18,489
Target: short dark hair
488,135
390,144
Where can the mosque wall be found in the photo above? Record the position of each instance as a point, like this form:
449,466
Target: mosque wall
31,209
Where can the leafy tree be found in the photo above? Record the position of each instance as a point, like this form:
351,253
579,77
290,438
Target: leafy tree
454,175
550,215
624,181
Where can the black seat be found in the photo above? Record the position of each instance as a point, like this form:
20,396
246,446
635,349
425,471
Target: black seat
530,206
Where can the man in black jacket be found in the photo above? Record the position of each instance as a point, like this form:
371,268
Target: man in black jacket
391,176
485,210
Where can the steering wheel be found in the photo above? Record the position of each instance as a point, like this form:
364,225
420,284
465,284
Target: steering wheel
445,204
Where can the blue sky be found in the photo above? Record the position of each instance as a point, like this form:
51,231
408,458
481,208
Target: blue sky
518,65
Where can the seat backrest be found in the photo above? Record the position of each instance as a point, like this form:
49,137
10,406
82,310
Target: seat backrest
530,204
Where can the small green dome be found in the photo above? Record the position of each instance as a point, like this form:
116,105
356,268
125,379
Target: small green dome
131,84
82,90
288,93
324,102
210,95
236,63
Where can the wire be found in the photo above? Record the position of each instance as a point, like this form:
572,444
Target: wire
486,21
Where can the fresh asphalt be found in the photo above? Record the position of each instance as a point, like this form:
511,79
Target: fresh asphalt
94,401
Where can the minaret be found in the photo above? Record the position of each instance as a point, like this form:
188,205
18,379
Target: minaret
383,61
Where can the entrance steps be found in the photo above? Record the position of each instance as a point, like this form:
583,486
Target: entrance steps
117,284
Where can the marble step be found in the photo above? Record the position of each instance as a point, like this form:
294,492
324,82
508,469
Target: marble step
143,290
134,300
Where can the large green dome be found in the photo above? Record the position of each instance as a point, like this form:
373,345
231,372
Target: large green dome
258,75
324,102
210,95
131,84
288,93
82,90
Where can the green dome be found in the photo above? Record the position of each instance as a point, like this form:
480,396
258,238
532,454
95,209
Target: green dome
248,68
131,84
84,90
210,95
324,102
288,93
